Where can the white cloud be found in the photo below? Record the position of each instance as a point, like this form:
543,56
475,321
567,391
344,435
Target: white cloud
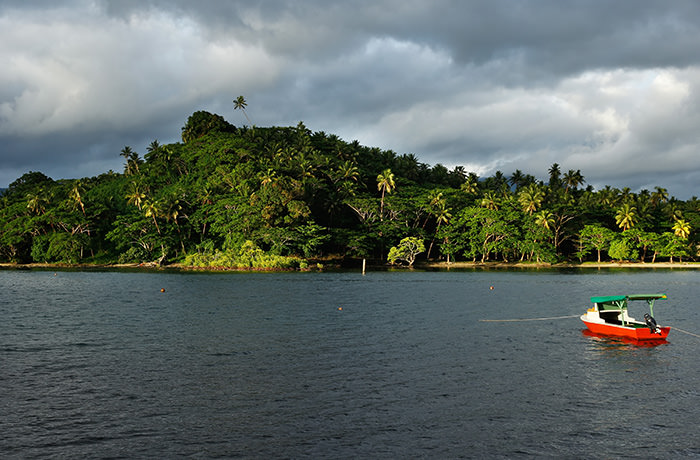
478,84
85,71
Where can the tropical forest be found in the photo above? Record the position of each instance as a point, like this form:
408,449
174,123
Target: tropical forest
290,198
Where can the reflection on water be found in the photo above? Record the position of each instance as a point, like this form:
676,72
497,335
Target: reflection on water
612,341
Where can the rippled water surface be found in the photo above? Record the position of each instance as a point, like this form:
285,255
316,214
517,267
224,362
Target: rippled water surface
340,365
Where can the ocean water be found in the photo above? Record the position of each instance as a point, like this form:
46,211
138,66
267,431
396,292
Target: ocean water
396,364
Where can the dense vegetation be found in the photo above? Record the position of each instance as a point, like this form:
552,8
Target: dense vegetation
281,196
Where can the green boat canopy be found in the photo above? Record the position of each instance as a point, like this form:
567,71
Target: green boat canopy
619,298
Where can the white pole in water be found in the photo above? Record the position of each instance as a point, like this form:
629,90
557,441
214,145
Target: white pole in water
364,264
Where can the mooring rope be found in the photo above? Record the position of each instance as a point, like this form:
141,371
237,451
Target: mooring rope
685,332
526,319
518,320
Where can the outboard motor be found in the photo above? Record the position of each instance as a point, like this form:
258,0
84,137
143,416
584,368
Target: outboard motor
651,322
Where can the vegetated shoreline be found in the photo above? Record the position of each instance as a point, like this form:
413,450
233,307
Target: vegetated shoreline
419,265
641,265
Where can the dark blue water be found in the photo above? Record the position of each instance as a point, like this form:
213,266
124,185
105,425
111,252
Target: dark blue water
105,365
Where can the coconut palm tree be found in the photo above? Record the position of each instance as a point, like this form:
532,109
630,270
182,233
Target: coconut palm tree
530,198
573,179
516,179
36,202
489,201
385,184
240,103
442,215
681,229
132,161
626,217
607,196
75,195
471,185
152,209
626,195
348,171
555,176
268,178
544,219
135,195
660,195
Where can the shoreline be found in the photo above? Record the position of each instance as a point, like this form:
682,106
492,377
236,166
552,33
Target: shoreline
418,265
641,265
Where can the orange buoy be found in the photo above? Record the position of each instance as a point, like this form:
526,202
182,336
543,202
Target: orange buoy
491,288
340,308
162,289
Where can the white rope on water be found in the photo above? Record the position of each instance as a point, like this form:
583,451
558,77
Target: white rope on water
526,319
685,332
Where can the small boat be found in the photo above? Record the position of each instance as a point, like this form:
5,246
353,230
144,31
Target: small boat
610,316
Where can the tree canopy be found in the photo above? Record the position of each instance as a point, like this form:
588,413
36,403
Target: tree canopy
282,196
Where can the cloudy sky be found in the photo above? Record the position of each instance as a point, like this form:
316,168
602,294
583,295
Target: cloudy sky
608,87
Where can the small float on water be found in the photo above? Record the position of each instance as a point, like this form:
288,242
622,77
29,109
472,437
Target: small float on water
610,316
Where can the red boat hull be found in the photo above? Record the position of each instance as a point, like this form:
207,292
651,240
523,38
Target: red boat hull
636,333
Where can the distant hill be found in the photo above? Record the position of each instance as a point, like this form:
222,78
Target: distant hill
288,197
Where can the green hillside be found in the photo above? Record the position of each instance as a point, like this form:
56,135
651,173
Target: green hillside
279,197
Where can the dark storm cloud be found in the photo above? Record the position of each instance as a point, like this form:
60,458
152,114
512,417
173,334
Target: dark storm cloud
608,87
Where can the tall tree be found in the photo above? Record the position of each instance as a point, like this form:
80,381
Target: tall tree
135,195
517,179
681,229
75,194
555,176
573,179
471,184
626,217
132,161
240,103
489,201
530,198
544,219
659,196
385,184
442,216
152,209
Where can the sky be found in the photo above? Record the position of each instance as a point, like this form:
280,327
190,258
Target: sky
611,88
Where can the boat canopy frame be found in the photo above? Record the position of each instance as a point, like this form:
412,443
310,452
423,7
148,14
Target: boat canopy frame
619,302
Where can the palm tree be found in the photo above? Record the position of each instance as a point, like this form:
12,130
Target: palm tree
457,176
151,209
626,195
555,176
499,180
269,177
490,201
681,229
471,184
74,194
607,196
240,103
172,210
385,183
349,171
626,217
544,219
659,196
132,161
135,195
517,179
573,179
36,202
442,215
530,198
